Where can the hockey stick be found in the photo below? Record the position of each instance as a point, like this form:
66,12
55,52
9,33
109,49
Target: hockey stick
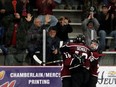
40,62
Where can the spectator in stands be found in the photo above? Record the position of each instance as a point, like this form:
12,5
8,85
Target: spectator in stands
26,8
63,28
58,1
107,27
15,40
106,2
8,9
90,26
32,4
53,43
28,20
2,10
73,4
34,40
112,6
2,28
47,18
2,46
45,8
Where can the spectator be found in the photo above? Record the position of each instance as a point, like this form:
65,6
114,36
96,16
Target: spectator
26,7
2,10
28,20
32,4
73,4
58,1
106,2
112,6
90,26
2,45
45,8
63,28
34,39
8,9
107,27
53,43
15,41
48,19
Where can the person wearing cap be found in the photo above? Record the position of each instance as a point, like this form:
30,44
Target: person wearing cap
90,26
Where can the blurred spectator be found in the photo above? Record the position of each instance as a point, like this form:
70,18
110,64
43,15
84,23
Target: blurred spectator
112,6
32,3
2,46
58,1
73,4
90,26
34,40
53,43
103,2
15,40
69,4
28,20
63,28
50,20
45,8
26,7
8,9
2,29
2,10
107,27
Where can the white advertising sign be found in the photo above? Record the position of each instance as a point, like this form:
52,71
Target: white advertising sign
107,76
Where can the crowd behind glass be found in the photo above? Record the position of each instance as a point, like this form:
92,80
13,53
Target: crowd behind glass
21,28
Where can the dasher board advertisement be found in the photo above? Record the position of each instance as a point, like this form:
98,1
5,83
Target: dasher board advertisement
33,76
107,76
47,76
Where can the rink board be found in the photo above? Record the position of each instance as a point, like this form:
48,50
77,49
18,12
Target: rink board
47,76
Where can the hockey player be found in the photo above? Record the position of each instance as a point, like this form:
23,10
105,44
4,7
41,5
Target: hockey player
65,72
78,61
94,64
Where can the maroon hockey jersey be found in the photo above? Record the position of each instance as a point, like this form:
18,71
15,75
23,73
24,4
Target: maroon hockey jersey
65,72
79,49
94,64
